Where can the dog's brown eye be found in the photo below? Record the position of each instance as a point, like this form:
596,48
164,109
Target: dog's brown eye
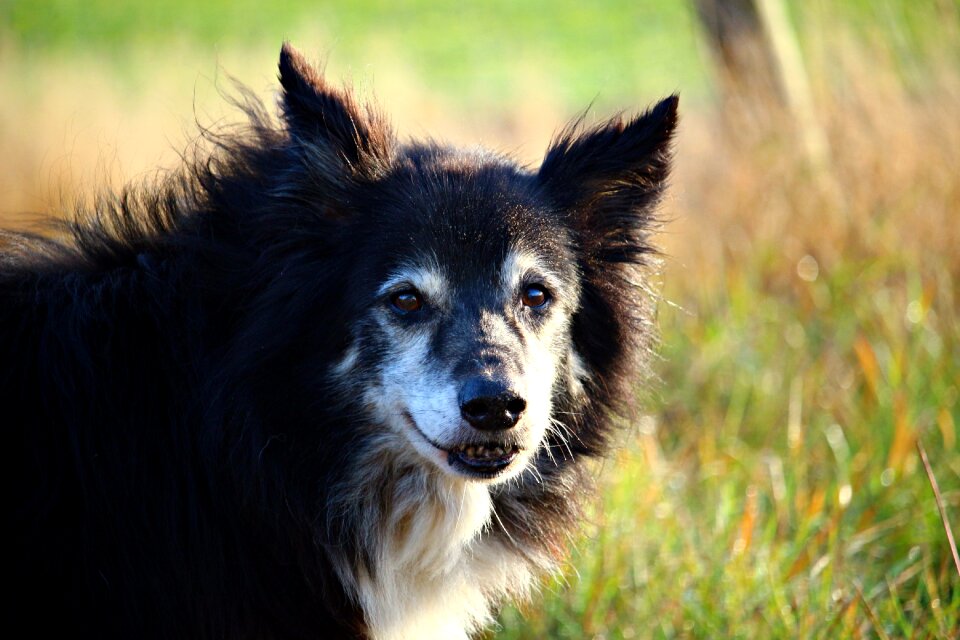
534,296
407,301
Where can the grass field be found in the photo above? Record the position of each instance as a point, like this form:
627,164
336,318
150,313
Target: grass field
811,316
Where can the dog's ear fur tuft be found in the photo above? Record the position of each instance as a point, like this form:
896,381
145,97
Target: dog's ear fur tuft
609,177
606,181
318,113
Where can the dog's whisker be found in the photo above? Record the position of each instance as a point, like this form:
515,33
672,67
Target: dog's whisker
503,527
563,433
532,468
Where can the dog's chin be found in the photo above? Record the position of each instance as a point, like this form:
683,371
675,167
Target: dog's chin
487,460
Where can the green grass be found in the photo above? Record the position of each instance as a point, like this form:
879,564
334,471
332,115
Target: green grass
588,50
608,51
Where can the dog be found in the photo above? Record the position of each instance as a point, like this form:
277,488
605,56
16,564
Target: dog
320,383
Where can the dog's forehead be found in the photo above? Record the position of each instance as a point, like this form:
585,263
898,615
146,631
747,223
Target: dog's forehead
469,213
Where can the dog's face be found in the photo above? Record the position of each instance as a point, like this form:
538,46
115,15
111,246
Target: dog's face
475,285
470,284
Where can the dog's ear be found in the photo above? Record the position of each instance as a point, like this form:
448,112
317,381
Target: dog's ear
609,177
320,114
606,181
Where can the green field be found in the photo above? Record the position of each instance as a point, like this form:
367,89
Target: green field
811,314
466,49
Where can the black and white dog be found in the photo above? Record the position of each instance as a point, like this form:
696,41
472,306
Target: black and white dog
320,383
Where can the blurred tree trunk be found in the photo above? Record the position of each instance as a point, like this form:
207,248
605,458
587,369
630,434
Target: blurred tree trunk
746,79
762,79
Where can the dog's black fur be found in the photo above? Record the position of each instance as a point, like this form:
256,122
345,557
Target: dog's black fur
163,383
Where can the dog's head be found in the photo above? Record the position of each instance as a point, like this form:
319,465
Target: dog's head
482,295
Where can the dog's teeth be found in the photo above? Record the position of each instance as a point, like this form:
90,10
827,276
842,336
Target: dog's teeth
481,451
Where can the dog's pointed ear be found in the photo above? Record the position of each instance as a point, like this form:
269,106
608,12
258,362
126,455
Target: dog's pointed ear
318,113
609,177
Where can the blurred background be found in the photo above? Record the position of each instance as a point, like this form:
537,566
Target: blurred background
812,259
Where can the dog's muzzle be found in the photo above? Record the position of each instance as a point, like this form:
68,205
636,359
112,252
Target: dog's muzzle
492,408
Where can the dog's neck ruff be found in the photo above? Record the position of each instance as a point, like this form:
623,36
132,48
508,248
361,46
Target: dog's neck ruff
438,566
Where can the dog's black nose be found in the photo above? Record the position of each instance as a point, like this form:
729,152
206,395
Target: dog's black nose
490,405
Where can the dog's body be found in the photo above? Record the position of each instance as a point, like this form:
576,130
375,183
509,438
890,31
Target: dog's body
322,384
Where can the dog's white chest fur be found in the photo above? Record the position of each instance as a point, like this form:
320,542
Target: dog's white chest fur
436,575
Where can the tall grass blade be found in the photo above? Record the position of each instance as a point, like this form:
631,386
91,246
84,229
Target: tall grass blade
940,505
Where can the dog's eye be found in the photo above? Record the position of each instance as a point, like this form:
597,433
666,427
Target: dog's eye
534,296
407,301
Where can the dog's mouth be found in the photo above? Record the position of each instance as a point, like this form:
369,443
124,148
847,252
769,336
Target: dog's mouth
483,461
